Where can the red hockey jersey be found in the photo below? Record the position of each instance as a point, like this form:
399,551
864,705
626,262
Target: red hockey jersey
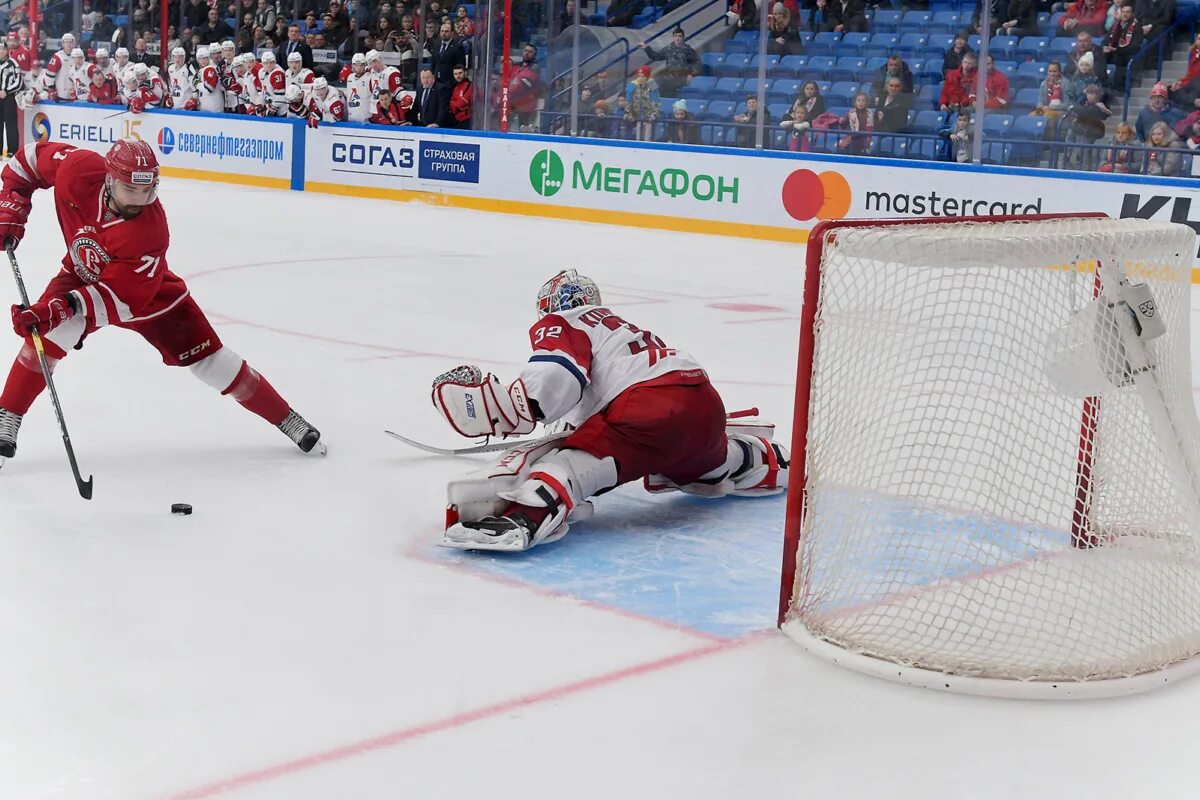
118,267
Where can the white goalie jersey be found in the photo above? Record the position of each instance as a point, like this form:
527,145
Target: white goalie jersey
584,357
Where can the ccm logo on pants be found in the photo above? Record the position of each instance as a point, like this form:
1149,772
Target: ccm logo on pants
195,351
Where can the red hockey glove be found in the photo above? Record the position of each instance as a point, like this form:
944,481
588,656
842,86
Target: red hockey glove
52,95
45,315
14,210
191,105
137,105
313,120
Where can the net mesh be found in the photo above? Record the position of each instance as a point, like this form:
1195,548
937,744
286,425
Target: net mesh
1000,472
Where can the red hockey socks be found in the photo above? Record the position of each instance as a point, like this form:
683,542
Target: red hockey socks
25,382
256,394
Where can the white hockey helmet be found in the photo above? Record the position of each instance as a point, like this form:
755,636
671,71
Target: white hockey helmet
202,52
373,55
122,51
293,94
76,53
141,71
68,37
567,289
320,84
101,53
358,58
267,56
295,58
178,51
228,45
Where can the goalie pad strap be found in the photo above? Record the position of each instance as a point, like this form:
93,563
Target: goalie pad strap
554,484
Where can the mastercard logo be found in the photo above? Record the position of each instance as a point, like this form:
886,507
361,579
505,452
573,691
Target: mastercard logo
808,195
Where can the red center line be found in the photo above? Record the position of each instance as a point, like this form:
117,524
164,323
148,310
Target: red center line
399,737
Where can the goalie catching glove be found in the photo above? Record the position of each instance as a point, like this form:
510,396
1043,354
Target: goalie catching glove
478,405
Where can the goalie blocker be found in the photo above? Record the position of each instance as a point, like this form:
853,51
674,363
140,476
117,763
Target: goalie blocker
643,411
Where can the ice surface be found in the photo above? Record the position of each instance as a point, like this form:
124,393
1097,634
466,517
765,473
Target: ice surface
300,636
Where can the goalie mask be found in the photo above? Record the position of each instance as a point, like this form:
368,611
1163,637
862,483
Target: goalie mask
567,289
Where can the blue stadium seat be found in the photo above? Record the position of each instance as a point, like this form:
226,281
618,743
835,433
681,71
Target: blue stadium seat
1024,101
928,96
1059,47
892,146
847,68
1043,20
788,86
911,44
751,70
1032,69
888,41
1009,68
948,19
700,86
824,43
886,21
915,21
997,124
845,89
697,108
852,43
1003,47
710,61
822,65
790,66
973,41
719,110
120,20
777,110
750,37
1028,128
1020,82
866,87
806,38
732,66
1031,48
928,121
1052,26
931,149
749,86
997,153
824,86
876,64
775,97
665,106
727,89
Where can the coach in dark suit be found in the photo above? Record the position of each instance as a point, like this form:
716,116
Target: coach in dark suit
431,106
446,51
294,44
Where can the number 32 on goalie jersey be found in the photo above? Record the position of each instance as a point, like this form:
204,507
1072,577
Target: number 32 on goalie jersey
643,341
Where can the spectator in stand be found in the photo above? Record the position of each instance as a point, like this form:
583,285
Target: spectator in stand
744,14
385,36
858,120
682,63
894,68
448,52
310,24
195,12
599,122
1052,98
431,107
1155,16
642,102
464,24
1158,110
1120,157
681,128
996,83
1123,42
294,44
407,49
820,18
280,33
1191,143
850,16
600,86
341,22
1088,120
244,38
1084,77
103,28
1185,92
783,37
995,11
962,138
141,55
390,112
462,99
958,92
814,103
262,41
264,15
1083,15
214,30
891,111
748,122
326,69
954,54
1084,44
524,89
1164,161
796,123
1020,19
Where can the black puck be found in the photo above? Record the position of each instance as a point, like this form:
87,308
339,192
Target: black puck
181,508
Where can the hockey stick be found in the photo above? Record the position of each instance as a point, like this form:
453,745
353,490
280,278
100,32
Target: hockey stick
85,487
494,447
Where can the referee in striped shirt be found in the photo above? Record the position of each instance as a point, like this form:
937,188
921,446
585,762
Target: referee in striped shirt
10,84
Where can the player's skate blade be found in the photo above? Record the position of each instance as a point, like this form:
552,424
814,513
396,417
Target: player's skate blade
306,437
10,424
512,533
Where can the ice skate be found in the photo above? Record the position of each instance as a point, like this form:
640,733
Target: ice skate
10,423
512,532
296,428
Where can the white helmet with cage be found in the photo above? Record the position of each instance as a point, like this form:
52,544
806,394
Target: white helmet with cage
567,289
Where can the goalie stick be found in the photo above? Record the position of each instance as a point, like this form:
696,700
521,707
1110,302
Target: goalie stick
494,447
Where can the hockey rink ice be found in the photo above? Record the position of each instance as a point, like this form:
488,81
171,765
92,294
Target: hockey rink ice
302,637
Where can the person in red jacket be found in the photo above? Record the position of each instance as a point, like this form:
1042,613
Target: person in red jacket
392,112
103,89
997,87
959,89
462,98
1185,92
1084,15
524,89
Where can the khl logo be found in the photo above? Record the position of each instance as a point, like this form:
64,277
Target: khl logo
166,141
546,173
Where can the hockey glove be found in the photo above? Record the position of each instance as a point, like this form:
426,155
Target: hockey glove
313,121
137,105
478,405
45,315
191,105
14,211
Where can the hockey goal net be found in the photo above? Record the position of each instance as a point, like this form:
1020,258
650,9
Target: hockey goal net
995,478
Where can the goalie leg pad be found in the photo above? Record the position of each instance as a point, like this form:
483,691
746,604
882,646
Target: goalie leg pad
754,466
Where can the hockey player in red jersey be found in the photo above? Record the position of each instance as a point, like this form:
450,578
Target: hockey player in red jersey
638,408
115,273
